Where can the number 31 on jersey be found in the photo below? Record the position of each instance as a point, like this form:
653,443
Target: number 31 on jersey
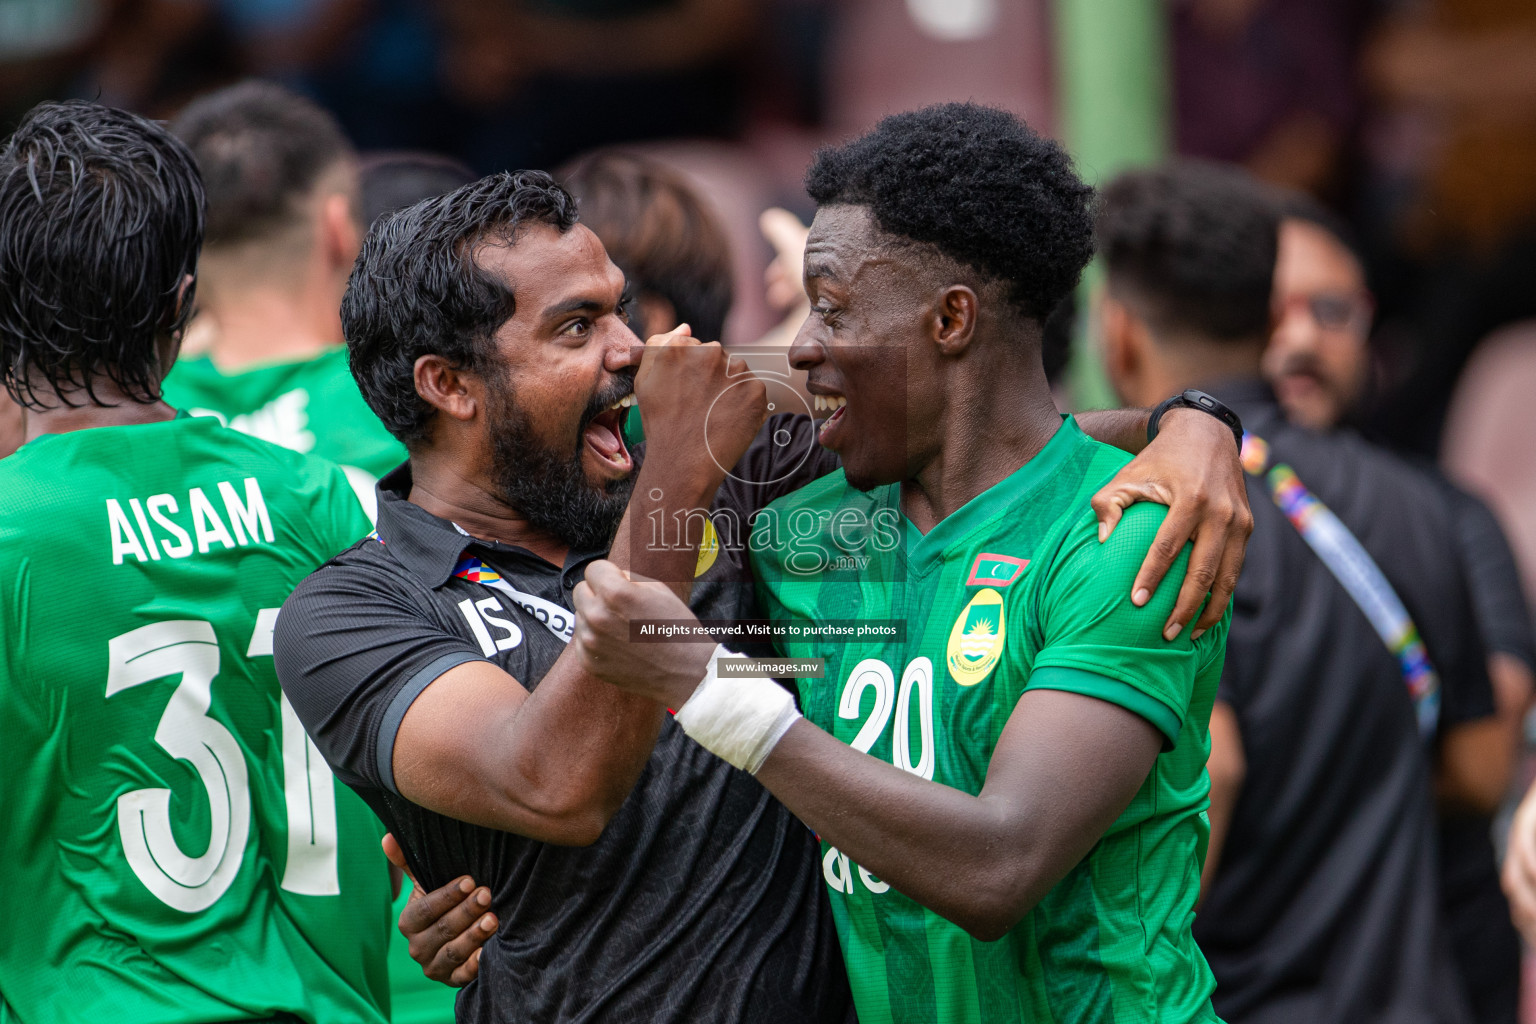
188,648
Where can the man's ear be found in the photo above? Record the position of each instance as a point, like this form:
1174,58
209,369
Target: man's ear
1119,339
170,345
341,238
451,390
954,319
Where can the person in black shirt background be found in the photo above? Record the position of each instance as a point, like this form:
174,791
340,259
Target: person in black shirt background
1319,362
1321,894
634,876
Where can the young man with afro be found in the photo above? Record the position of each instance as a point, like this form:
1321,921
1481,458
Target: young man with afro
1008,787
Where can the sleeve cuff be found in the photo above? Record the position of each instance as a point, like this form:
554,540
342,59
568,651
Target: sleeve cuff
389,726
1114,691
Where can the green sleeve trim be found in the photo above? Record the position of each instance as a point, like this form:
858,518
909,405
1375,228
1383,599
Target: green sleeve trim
1091,684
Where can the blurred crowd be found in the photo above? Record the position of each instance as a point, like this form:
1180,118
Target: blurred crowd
1415,120
1398,136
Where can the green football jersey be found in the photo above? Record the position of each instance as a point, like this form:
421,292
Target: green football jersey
310,405
176,848
1012,592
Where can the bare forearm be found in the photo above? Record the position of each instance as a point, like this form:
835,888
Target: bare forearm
577,732
1227,767
977,861
1125,429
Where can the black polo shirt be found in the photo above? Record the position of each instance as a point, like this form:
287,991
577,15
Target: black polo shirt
702,899
1325,906
1484,940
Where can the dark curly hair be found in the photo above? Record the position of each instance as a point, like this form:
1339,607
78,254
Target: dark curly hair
1193,245
980,186
101,220
261,149
416,289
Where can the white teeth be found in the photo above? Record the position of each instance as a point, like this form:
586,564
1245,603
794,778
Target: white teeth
819,402
829,401
625,402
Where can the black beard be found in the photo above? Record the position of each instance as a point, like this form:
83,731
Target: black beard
552,490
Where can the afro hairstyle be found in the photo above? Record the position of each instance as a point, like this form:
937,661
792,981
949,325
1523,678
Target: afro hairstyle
977,184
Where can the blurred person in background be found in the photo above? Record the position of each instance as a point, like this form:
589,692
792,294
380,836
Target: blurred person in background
1451,195
283,232
658,230
392,181
1319,363
1321,901
536,82
193,858
1269,84
676,255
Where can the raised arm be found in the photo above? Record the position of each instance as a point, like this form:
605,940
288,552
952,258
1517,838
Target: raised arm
557,764
474,743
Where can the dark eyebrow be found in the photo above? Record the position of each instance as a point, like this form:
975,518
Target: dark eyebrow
581,305
820,268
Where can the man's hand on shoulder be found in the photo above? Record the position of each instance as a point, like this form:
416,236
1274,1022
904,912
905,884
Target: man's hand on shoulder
1193,468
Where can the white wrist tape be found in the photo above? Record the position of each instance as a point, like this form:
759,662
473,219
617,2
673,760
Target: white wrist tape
737,720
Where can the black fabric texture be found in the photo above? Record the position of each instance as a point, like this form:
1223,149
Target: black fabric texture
1326,902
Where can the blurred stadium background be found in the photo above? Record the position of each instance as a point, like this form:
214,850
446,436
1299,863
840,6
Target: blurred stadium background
1414,120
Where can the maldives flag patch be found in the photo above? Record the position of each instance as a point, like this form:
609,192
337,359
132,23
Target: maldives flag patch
995,570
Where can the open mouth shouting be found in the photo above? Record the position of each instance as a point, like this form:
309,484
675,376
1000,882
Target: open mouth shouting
835,407
604,435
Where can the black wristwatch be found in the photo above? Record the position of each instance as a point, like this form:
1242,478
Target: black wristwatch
1193,399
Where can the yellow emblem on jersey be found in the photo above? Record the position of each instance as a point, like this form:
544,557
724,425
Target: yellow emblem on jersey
709,549
976,641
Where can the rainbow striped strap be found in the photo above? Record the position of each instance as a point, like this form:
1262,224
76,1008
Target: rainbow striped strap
1349,562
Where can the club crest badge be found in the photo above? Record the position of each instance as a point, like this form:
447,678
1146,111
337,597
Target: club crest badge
976,639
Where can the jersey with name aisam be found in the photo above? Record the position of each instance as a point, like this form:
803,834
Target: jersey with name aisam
176,849
1012,592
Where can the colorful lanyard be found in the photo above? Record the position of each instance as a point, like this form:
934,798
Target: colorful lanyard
1361,578
556,618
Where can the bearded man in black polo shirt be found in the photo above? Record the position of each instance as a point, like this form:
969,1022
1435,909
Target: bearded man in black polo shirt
634,875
